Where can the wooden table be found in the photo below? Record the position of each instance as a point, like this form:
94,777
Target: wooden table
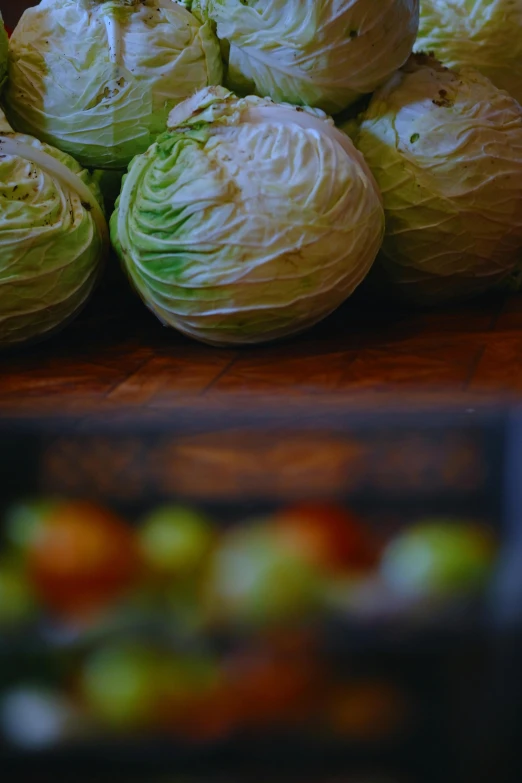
117,355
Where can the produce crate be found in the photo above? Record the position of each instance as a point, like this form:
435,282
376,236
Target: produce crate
443,683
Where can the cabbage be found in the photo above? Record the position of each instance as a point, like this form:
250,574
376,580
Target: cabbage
98,79
53,236
324,53
3,52
247,221
483,34
446,151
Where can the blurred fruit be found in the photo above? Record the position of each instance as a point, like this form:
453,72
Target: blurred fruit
142,687
367,599
366,710
183,606
436,559
121,686
175,541
34,718
288,641
82,559
329,536
256,578
17,602
196,703
273,690
22,521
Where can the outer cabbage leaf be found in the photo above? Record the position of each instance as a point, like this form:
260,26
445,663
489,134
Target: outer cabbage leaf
481,34
247,221
446,151
3,52
323,53
53,237
98,78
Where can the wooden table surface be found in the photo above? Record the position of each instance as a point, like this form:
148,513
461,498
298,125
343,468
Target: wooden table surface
117,355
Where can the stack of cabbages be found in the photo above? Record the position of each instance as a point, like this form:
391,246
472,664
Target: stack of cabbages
244,212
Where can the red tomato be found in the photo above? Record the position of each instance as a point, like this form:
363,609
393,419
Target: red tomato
367,710
82,558
270,689
209,717
329,536
193,702
200,712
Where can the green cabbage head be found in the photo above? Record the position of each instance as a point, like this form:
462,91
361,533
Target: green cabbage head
247,221
3,52
323,53
97,78
446,151
53,237
481,34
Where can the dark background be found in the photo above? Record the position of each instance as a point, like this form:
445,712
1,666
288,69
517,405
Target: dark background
13,9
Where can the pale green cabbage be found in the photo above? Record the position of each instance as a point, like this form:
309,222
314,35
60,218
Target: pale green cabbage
248,220
482,34
3,52
324,53
98,79
446,151
53,237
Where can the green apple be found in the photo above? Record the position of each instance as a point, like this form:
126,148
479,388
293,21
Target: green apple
120,685
176,541
16,598
23,519
256,578
439,558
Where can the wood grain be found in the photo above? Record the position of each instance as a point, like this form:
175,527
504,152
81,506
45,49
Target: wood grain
116,355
